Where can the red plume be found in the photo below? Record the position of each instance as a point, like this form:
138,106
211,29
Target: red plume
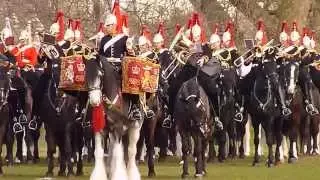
125,20
146,32
190,23
78,27
294,26
178,27
195,19
98,118
260,25
305,31
60,21
284,27
215,29
101,27
71,24
161,29
312,34
116,11
230,28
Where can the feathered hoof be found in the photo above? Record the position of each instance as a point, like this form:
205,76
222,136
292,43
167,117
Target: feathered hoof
61,174
184,175
292,160
49,174
198,176
70,174
151,174
277,163
79,173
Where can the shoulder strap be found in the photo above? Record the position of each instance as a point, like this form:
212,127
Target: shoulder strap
112,41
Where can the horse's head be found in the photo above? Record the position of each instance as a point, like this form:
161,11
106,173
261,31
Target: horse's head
102,76
4,84
194,106
290,75
228,82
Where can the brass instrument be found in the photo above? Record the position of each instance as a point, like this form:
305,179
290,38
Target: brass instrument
180,51
257,51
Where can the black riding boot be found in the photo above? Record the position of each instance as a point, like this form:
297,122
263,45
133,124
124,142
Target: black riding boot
281,100
310,108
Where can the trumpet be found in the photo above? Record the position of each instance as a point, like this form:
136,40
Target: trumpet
257,51
180,53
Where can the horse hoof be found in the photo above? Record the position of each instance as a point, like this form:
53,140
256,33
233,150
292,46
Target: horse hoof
79,173
70,173
241,156
255,163
151,174
49,174
277,163
204,173
292,160
198,175
270,164
36,160
61,174
314,153
185,175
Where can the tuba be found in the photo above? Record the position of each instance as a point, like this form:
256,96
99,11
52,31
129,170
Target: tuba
180,51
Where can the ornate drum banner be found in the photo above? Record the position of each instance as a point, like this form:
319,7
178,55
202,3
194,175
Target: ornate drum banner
72,75
139,75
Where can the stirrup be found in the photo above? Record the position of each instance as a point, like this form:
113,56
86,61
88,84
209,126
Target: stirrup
312,110
150,114
135,114
167,122
238,117
17,127
33,125
218,123
286,111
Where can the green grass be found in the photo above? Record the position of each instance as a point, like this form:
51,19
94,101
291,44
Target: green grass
307,168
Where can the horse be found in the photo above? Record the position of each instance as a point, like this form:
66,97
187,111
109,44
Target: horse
103,78
62,116
263,108
288,72
194,118
4,107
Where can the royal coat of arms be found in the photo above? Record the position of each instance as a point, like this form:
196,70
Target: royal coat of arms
72,75
139,75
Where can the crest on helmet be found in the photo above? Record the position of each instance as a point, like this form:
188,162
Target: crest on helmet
284,37
294,36
159,36
69,34
57,28
215,38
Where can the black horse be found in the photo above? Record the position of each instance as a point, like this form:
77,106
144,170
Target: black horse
4,106
61,114
194,119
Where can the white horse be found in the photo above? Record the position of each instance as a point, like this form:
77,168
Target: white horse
104,83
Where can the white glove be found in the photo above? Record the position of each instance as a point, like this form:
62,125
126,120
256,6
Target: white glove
95,97
200,62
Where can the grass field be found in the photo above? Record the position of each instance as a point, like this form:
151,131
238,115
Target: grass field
307,168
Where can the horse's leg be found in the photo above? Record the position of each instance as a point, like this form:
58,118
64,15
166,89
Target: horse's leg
79,144
172,139
198,154
19,156
185,152
68,148
212,153
222,145
51,149
2,134
36,136
149,135
256,143
9,144
232,140
267,126
164,134
241,137
28,111
314,132
246,138
133,171
99,171
278,138
140,143
204,148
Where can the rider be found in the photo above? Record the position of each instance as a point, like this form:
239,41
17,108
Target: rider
165,58
7,42
305,80
209,67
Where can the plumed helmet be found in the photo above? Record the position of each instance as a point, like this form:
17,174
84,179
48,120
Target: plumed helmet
110,20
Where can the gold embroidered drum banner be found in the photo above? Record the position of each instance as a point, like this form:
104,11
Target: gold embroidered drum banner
139,75
72,74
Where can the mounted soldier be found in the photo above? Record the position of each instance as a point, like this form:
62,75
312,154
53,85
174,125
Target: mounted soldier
307,55
6,43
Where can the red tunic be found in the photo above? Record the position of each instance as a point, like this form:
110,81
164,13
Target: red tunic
26,55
